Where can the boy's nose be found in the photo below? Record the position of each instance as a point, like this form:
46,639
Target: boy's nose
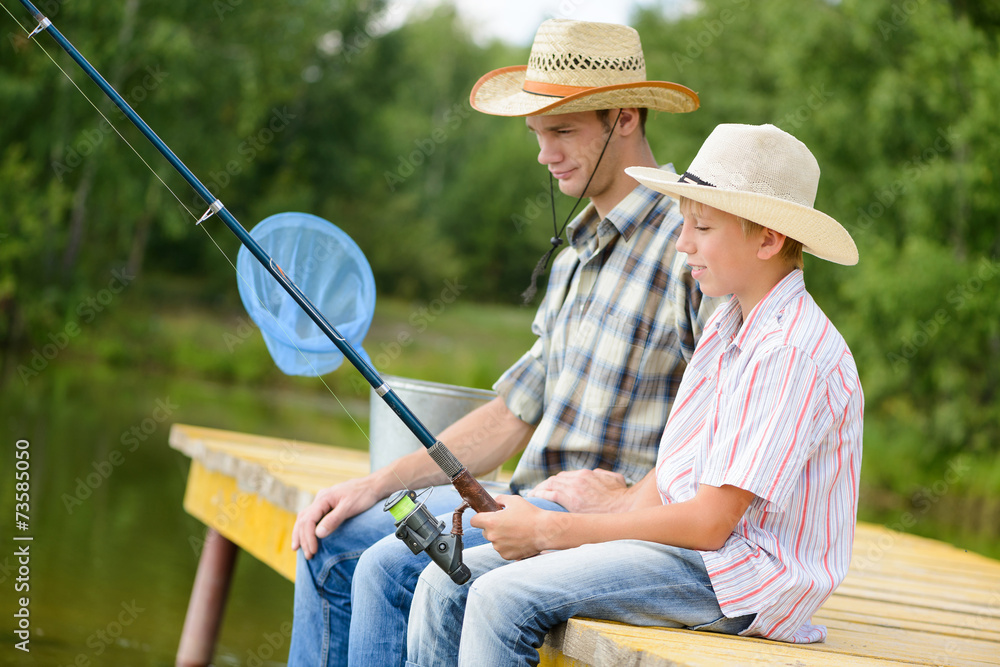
684,241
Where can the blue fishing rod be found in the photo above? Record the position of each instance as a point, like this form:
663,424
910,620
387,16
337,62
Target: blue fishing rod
416,526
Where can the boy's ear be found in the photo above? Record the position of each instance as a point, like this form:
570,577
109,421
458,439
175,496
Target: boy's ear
771,243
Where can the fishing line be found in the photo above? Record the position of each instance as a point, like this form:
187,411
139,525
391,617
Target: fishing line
467,486
419,529
30,36
96,108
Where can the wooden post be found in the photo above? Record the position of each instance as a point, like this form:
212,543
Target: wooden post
208,601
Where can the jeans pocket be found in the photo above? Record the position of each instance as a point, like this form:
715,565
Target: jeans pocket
726,625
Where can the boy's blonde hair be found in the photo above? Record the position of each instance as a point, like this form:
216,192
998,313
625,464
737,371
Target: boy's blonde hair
791,250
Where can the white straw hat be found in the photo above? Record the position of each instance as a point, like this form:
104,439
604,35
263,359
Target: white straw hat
765,175
579,66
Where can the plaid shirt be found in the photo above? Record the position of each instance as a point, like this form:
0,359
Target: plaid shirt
619,322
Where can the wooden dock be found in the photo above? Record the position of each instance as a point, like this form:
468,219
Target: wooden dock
906,600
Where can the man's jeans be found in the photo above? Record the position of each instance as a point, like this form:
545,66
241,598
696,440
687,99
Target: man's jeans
332,629
505,614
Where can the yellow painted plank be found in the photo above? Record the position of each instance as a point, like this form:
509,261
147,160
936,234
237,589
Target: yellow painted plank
260,462
257,526
234,487
551,657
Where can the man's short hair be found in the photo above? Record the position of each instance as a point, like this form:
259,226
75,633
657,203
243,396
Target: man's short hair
604,115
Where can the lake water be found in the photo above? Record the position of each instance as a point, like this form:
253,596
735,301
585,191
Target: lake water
113,554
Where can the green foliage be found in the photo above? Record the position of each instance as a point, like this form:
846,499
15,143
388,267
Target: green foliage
896,101
334,109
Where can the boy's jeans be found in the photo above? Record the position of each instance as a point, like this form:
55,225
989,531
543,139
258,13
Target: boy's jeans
506,612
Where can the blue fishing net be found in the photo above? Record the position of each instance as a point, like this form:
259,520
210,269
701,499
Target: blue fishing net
331,271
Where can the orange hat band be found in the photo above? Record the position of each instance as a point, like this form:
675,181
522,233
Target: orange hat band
551,89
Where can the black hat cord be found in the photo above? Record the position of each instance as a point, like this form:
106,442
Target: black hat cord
557,240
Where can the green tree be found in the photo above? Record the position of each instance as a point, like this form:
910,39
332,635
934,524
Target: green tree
894,99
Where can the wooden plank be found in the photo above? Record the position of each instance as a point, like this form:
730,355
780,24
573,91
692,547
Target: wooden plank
880,550
945,569
250,488
606,643
919,648
287,473
593,642
906,599
256,525
970,602
935,577
949,566
880,612
917,601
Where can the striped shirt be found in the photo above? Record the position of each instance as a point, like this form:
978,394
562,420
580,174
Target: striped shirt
773,407
619,321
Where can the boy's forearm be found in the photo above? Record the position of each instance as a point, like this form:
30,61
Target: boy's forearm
643,494
565,531
703,523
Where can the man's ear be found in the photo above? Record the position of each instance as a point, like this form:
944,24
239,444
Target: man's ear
629,121
771,243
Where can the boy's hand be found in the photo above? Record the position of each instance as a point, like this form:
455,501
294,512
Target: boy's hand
518,530
585,491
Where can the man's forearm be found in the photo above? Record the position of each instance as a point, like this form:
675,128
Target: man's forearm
481,440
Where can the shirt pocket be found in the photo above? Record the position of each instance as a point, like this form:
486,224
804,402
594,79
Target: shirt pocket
620,341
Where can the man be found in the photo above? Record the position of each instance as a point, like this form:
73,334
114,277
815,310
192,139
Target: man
587,403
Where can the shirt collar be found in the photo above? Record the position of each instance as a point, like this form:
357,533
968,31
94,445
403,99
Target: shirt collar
729,323
624,218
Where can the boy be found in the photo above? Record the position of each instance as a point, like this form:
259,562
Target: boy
747,522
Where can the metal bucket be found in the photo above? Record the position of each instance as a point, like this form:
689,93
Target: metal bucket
436,405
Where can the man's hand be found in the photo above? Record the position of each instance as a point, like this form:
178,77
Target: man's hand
585,491
331,507
519,530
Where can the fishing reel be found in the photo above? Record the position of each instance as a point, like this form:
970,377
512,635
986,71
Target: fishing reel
422,531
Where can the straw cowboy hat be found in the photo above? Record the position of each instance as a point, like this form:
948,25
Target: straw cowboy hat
765,175
579,66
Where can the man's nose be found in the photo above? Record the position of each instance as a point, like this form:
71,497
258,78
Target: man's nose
547,153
